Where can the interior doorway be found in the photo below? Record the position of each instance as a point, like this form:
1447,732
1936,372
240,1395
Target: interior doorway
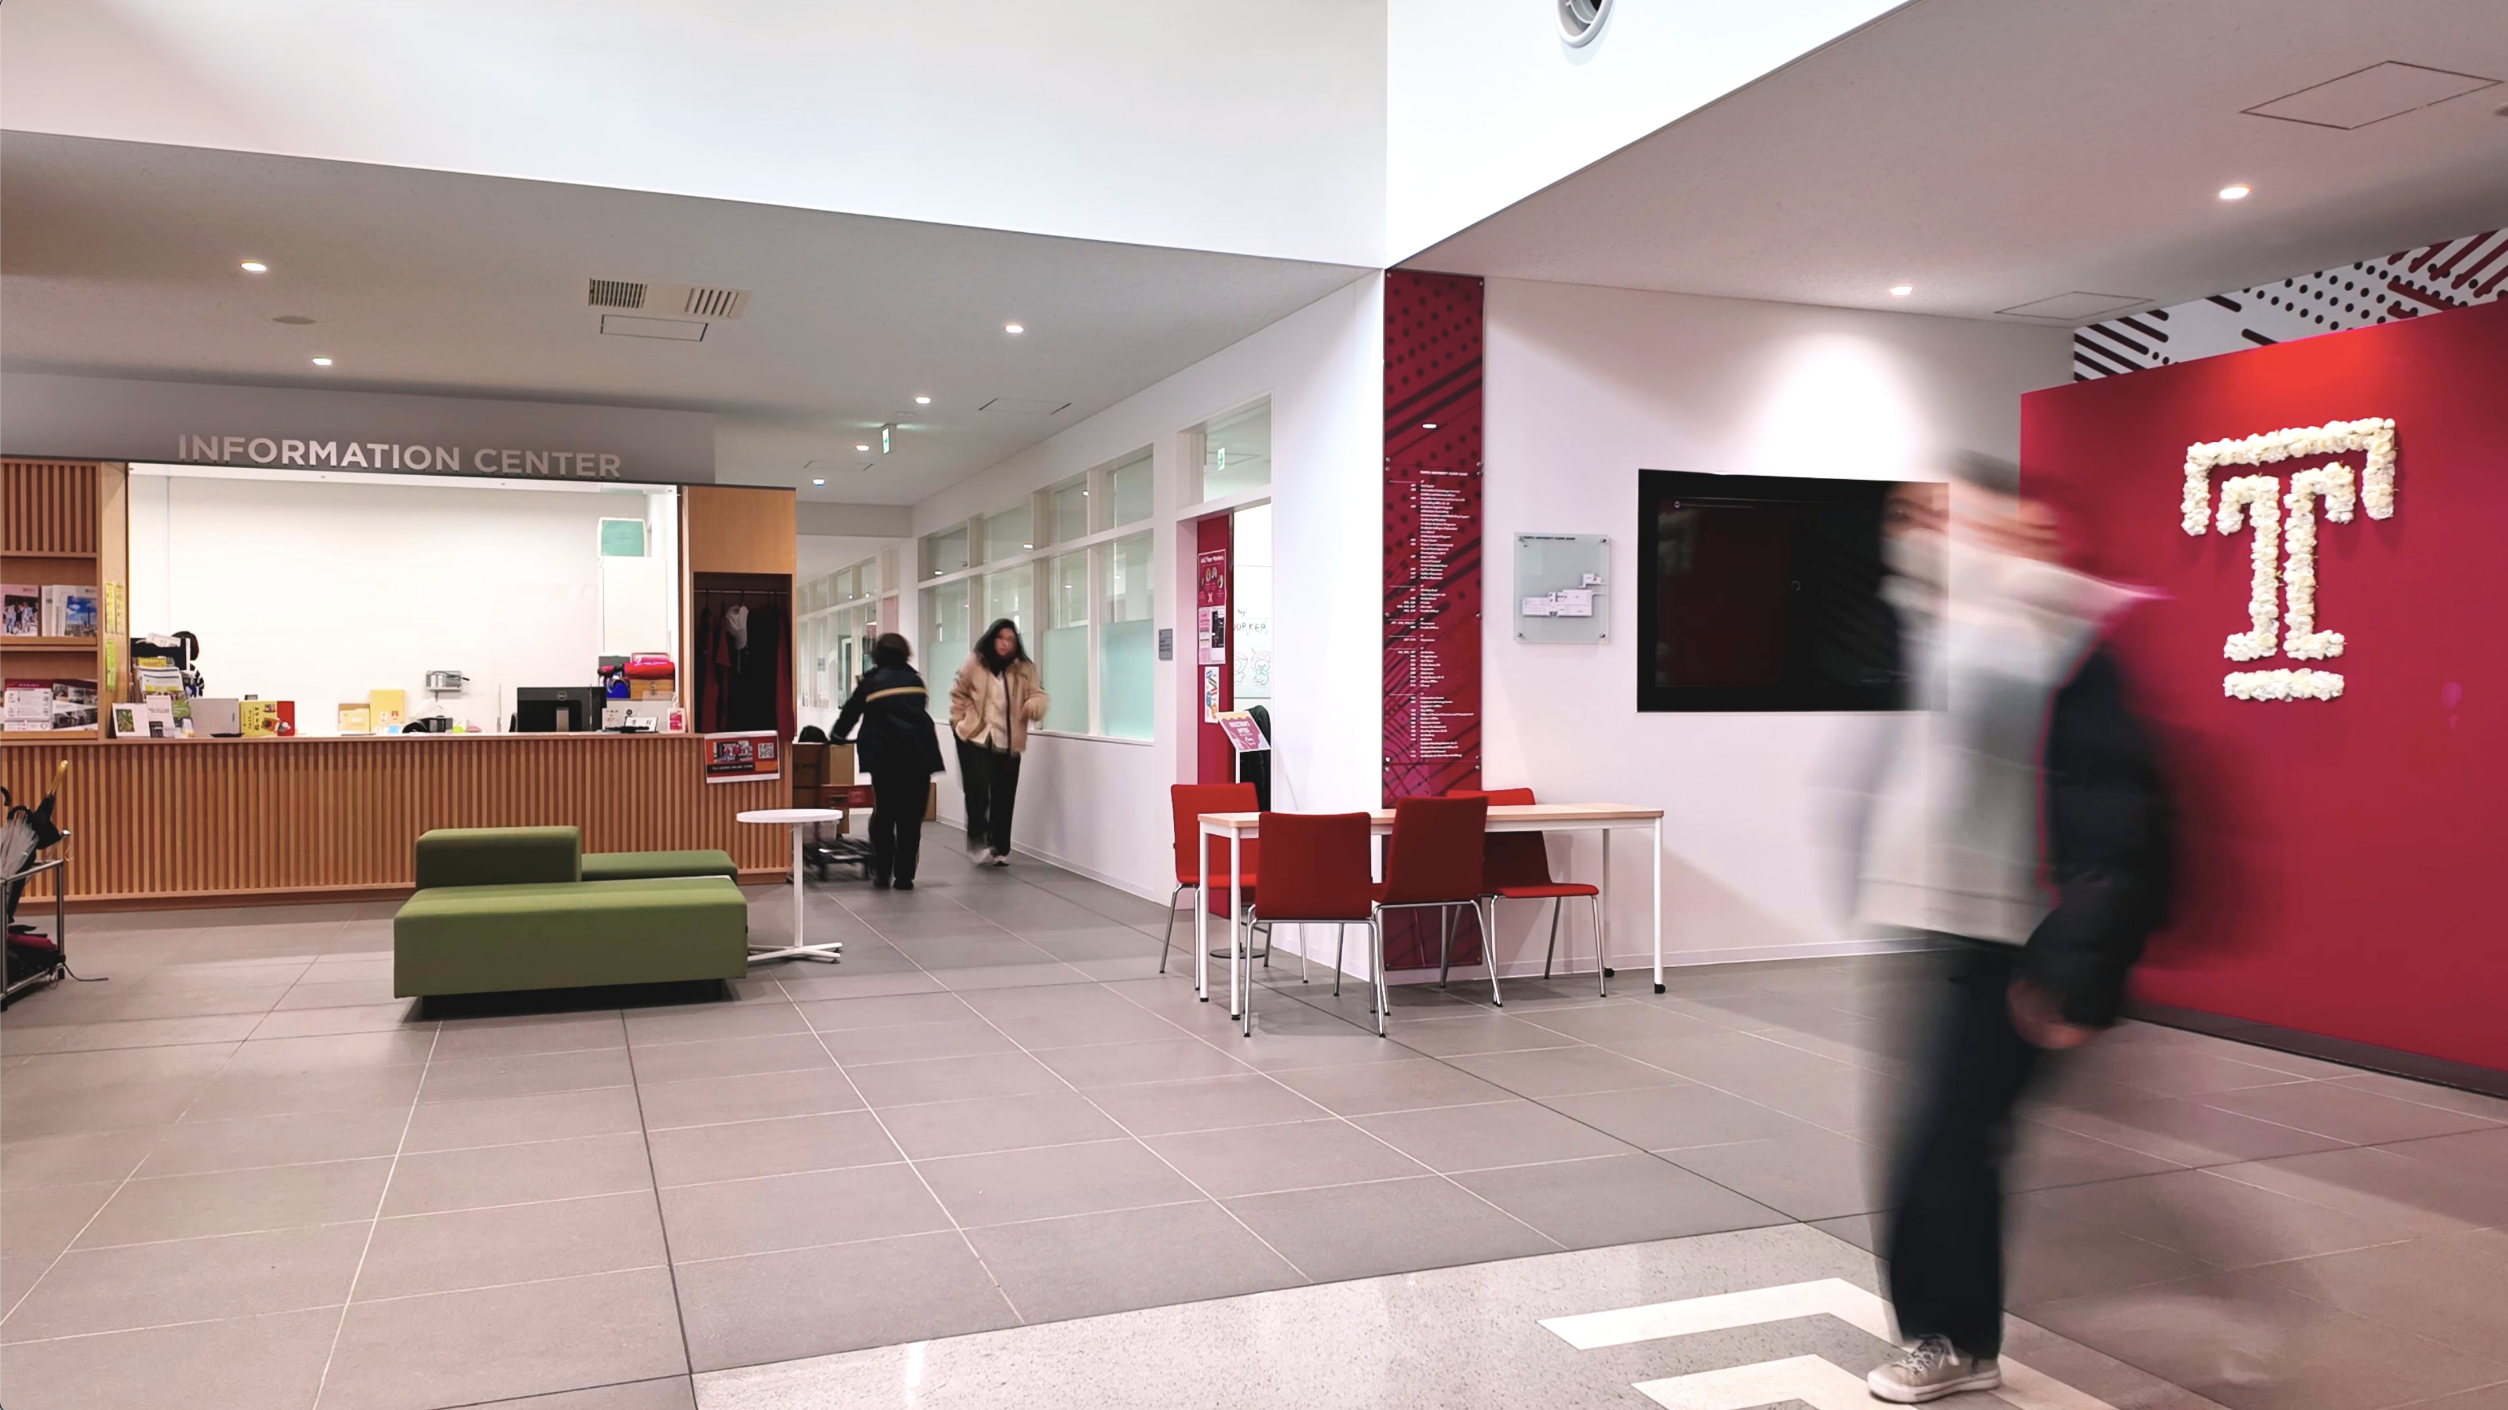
1232,656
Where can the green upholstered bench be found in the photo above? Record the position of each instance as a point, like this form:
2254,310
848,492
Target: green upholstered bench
498,856
506,856
487,938
640,866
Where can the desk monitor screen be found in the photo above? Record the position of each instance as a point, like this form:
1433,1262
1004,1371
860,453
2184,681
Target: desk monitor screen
557,709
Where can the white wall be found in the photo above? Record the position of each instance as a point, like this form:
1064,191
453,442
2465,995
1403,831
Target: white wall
317,591
1585,388
1092,118
1485,104
1100,806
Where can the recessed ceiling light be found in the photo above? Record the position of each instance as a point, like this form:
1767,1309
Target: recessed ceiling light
818,482
1027,545
1428,425
922,401
863,448
2238,192
254,266
1014,328
1900,291
322,362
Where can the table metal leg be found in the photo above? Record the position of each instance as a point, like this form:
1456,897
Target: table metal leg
829,952
1236,904
1656,854
1201,930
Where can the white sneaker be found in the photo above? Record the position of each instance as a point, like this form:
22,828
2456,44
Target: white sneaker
1931,1369
998,859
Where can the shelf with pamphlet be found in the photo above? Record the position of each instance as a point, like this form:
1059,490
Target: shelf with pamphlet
63,542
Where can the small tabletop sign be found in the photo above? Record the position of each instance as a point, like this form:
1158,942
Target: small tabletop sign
1242,732
747,756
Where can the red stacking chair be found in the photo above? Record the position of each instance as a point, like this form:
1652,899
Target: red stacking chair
1434,862
1189,802
1518,869
1320,876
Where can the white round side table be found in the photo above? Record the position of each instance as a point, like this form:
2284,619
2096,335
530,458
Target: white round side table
797,819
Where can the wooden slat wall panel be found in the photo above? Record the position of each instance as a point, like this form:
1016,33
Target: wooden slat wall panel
203,819
48,506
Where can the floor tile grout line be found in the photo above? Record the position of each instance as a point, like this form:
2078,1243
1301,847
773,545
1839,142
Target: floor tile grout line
120,1185
920,1178
1119,1124
361,1302
382,1201
1557,1244
1728,1189
653,1181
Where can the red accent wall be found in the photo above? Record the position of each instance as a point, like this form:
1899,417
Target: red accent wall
2342,859
1214,545
1432,642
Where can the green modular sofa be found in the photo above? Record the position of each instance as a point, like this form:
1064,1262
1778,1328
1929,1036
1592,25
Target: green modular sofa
503,909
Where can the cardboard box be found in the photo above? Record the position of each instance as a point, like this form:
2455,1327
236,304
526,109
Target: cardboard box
387,711
356,717
665,688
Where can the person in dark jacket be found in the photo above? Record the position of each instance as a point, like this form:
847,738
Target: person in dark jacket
2036,784
900,747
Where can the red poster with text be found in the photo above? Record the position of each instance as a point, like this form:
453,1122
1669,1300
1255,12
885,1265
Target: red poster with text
1432,581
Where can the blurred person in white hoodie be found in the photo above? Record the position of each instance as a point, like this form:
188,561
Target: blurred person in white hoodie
2021,822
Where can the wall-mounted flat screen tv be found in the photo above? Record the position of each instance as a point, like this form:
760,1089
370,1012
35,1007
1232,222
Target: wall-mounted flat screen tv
1763,593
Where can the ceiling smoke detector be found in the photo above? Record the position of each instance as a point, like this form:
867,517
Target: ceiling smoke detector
1581,20
689,300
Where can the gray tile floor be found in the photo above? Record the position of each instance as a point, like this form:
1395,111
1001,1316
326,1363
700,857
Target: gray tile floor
240,1174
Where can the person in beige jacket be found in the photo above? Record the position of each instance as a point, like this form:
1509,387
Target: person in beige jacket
991,704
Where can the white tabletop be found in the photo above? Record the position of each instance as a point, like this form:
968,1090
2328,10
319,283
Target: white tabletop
792,815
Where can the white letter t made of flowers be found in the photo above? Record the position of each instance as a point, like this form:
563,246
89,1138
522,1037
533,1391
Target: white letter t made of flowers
2256,503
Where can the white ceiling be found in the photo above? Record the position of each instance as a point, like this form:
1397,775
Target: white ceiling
1992,154
1248,126
121,258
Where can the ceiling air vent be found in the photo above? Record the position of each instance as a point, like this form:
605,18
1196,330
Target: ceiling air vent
715,303
2079,306
616,293
692,300
1021,406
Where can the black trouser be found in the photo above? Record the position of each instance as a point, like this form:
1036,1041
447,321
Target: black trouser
992,779
1944,1243
897,799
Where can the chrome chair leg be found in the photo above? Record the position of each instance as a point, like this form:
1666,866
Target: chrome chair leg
1171,927
1556,904
1445,931
1486,913
1602,962
1376,936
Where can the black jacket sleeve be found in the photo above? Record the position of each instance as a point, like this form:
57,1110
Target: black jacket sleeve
2109,846
851,715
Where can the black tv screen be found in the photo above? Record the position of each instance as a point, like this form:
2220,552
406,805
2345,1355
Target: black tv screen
1764,593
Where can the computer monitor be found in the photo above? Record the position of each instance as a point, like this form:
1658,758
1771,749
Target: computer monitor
557,709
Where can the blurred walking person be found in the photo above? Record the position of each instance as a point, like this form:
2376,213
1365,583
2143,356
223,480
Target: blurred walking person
2030,728
901,748
991,704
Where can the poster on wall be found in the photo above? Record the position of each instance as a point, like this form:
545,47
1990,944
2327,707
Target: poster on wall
744,756
1432,561
1213,636
1210,695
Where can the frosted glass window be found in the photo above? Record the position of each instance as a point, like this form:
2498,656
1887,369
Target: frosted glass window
944,638
1067,511
1062,651
1008,534
1128,492
1236,453
1127,648
1008,594
945,552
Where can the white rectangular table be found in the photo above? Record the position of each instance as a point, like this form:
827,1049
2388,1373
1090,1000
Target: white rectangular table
1515,817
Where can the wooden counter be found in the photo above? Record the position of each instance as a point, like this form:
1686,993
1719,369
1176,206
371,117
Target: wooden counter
236,821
